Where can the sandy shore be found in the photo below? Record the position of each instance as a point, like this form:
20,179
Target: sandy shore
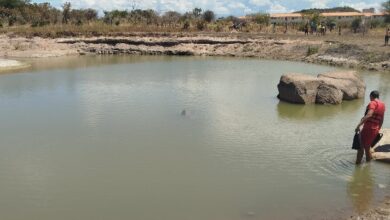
352,52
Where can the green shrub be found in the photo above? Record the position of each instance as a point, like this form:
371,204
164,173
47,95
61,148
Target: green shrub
218,28
79,23
356,24
200,25
186,25
312,50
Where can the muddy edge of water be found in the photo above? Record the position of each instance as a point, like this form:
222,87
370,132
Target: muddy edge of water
345,51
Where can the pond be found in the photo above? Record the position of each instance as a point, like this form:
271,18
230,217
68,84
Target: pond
196,138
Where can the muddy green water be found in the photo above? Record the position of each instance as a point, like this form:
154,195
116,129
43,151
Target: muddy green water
105,138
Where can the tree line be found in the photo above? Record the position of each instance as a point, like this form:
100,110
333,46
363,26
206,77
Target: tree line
23,12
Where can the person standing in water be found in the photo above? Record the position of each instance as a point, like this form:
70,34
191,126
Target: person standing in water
372,123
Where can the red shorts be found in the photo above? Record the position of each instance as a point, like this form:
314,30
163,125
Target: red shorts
367,136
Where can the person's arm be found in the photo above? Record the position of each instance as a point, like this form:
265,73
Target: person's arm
369,114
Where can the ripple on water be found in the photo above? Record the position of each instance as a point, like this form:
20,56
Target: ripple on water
330,161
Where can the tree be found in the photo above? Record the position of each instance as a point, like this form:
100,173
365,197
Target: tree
356,24
107,18
314,19
134,4
13,3
66,8
150,16
197,12
77,16
386,10
330,23
171,18
208,16
260,18
114,16
90,14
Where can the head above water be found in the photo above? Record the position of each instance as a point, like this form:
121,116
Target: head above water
374,95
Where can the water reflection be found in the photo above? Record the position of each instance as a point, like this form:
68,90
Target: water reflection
384,83
75,62
107,134
310,112
360,188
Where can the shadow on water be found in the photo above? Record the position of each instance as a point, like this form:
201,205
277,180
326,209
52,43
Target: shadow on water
310,112
360,188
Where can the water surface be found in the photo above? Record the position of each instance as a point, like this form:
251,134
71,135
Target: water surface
107,138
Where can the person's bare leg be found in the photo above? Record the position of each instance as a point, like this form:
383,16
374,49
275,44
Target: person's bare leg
359,156
368,153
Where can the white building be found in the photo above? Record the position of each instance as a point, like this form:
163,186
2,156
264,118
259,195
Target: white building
283,18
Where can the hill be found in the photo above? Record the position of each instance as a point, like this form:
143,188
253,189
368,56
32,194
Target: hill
326,10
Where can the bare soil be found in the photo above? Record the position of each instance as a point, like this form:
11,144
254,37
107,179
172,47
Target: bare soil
350,50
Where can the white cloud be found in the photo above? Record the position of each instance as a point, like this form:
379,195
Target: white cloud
236,5
277,8
319,3
240,7
361,5
260,2
220,7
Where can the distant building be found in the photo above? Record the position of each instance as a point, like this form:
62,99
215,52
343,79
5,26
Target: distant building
282,18
369,10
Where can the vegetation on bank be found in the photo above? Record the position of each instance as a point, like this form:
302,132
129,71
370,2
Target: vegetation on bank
327,10
42,19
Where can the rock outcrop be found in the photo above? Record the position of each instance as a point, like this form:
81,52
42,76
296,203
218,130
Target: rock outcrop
329,88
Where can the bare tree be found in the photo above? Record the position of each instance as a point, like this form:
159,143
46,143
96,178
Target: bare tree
134,4
66,8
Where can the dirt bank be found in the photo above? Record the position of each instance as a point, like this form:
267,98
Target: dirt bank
354,52
382,212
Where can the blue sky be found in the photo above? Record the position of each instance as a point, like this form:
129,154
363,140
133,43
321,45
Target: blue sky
221,7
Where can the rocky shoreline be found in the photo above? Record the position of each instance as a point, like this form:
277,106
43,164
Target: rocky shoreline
311,50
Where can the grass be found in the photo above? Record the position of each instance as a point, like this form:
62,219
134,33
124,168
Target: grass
311,51
97,29
87,30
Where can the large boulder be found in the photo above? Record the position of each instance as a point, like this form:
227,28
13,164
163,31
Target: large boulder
348,82
328,88
298,88
329,94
